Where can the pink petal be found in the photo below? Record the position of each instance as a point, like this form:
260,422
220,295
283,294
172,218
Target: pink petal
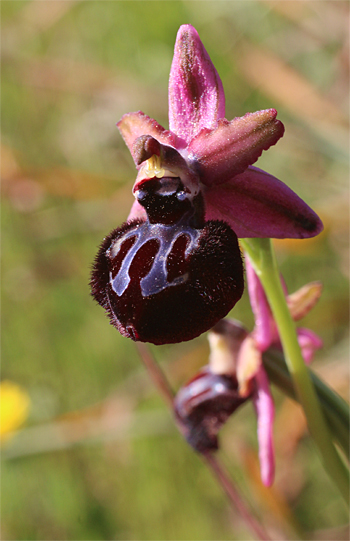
137,212
256,204
265,411
196,94
228,149
248,364
309,343
265,327
171,160
133,125
302,301
144,147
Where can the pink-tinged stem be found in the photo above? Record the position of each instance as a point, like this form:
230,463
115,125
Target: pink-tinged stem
163,386
226,483
156,374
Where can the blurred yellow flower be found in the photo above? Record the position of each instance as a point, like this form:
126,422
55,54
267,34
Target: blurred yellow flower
14,408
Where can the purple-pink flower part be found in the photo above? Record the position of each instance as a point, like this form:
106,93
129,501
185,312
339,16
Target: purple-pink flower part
203,405
174,269
215,156
300,303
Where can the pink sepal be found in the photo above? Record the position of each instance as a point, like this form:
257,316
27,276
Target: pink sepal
133,125
228,149
265,328
309,343
265,411
196,94
256,204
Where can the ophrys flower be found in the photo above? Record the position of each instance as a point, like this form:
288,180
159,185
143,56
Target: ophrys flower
174,269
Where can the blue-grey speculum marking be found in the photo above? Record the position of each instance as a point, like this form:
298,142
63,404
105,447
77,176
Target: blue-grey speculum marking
157,278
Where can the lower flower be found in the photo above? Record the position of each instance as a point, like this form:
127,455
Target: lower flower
205,403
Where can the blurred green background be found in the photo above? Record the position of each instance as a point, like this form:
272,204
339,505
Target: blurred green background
98,456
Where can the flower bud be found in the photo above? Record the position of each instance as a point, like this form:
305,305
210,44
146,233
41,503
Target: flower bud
204,404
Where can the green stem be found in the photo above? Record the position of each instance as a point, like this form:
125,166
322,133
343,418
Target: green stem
262,257
335,409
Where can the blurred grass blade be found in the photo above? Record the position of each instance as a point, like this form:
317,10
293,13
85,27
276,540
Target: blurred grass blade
334,407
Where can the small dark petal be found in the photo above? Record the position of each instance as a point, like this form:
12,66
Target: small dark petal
144,147
134,125
160,199
203,405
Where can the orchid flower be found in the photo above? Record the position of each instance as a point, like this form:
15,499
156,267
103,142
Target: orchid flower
214,156
174,269
234,375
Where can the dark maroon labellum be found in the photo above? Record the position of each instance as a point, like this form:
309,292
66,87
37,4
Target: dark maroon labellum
203,405
171,277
